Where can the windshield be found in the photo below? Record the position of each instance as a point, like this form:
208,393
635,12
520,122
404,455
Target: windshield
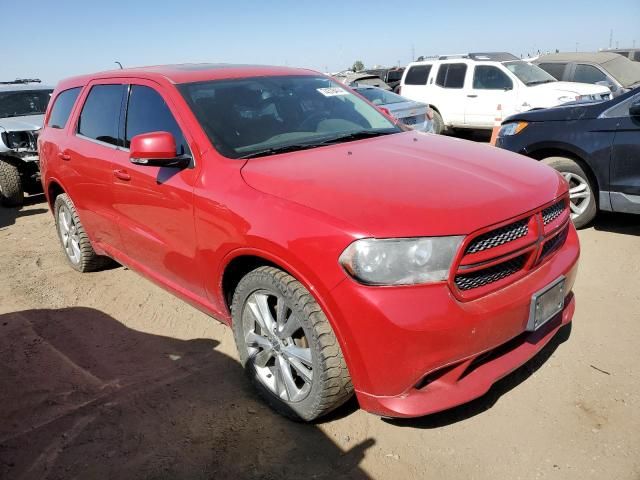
250,116
529,74
623,70
377,96
23,102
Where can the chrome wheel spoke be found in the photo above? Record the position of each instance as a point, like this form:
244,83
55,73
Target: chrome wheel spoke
290,387
305,373
256,341
288,327
261,358
574,208
301,354
260,310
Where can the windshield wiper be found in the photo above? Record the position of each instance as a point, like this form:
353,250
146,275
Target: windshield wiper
355,136
540,82
305,146
282,149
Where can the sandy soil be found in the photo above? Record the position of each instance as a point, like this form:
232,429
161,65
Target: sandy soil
105,375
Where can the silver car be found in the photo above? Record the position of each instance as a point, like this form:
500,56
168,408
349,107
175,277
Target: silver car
22,107
415,115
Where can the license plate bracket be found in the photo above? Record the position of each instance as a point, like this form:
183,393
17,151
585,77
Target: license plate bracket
546,304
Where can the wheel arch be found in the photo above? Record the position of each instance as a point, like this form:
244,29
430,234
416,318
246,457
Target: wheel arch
53,190
578,157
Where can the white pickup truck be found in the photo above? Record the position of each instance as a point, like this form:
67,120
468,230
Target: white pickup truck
464,91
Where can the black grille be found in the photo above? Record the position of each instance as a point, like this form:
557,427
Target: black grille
500,236
549,214
555,243
489,275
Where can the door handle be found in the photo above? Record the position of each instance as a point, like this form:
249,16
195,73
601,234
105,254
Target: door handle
472,96
64,156
122,175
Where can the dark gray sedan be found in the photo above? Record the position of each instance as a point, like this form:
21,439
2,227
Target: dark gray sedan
415,115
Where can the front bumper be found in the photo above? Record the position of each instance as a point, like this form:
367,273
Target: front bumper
418,350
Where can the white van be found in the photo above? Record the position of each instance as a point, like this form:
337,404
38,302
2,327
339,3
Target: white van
464,91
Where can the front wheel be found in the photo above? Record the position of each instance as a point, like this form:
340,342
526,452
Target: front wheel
287,346
11,191
581,191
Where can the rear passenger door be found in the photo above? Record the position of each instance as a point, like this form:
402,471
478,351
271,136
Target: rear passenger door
155,204
490,87
86,161
448,92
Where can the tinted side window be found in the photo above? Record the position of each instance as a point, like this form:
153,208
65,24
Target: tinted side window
486,77
451,75
556,70
148,112
101,113
62,107
417,75
588,74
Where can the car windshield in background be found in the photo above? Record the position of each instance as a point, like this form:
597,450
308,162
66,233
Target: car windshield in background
259,116
529,74
380,97
23,102
623,70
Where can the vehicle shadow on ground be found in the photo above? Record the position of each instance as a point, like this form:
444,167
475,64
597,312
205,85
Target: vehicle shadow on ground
8,215
83,396
484,403
624,223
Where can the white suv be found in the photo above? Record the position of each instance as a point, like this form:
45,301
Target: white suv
465,90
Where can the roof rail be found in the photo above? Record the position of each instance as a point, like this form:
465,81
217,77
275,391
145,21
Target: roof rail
455,55
19,81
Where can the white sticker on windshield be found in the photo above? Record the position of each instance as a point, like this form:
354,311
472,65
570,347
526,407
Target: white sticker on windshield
332,91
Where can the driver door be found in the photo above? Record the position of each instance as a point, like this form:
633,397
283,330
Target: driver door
155,204
625,159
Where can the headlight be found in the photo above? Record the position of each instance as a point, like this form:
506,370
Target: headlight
512,128
400,261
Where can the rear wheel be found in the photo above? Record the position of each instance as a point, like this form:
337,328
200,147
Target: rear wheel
11,191
438,123
581,191
287,346
74,240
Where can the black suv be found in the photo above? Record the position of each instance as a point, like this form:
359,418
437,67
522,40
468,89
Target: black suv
595,146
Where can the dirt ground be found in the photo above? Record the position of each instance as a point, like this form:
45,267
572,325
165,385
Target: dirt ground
105,375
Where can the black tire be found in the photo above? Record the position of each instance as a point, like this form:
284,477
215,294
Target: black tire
87,260
438,123
331,384
572,169
11,191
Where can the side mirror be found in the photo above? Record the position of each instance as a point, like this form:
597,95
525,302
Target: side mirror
634,109
156,149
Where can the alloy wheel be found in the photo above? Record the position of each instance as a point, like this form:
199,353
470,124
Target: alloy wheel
580,194
69,234
277,346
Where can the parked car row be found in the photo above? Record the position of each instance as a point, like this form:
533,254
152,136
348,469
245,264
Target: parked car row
465,91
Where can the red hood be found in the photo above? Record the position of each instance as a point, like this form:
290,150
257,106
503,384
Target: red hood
408,184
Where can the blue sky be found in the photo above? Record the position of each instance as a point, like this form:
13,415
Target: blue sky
52,40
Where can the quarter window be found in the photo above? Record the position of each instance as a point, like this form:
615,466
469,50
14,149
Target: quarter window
101,114
556,70
62,107
417,75
588,74
451,75
148,112
486,77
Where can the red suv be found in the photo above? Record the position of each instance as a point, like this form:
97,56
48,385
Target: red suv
346,253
